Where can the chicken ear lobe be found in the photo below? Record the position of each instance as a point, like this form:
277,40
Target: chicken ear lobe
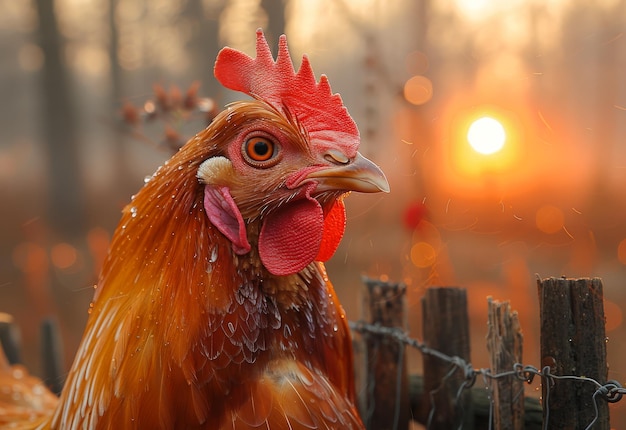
224,214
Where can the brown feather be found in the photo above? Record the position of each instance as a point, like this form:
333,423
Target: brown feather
24,400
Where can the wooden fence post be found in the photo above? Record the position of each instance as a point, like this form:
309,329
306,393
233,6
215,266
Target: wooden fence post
446,329
573,342
504,343
52,356
9,338
386,404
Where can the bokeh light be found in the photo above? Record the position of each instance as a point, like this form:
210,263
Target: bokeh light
486,135
427,244
63,255
423,254
549,219
472,8
98,243
30,257
418,90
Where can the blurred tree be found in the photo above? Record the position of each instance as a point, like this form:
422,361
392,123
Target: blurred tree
591,34
204,41
58,114
606,90
117,94
275,10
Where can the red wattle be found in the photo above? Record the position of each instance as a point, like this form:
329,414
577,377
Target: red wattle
334,227
290,238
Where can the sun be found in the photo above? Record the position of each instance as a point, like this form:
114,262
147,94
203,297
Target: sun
486,135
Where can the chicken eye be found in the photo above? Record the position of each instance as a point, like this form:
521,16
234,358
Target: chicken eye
259,149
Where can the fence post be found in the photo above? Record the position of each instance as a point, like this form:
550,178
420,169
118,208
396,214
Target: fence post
504,343
446,329
387,405
9,338
52,356
573,342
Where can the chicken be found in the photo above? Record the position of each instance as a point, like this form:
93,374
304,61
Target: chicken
24,399
213,309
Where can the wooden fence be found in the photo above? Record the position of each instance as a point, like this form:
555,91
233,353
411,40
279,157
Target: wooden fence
573,370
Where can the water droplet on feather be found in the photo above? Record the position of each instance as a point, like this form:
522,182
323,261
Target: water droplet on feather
18,373
213,257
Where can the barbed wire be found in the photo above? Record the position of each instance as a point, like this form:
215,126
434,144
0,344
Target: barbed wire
611,391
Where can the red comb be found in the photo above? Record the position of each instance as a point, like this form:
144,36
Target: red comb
315,107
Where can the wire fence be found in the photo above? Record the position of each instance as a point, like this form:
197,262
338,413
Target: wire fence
573,374
611,391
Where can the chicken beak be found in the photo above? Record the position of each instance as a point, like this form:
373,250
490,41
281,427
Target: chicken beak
360,175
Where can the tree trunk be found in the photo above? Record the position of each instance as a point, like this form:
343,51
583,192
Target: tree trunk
275,10
66,207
